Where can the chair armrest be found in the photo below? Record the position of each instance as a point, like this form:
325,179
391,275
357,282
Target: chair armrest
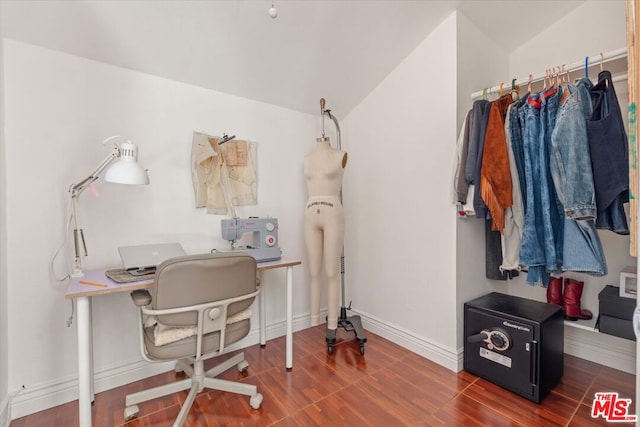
141,297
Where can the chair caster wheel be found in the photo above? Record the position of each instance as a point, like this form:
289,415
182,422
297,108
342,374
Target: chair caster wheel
131,412
243,366
362,349
256,401
330,349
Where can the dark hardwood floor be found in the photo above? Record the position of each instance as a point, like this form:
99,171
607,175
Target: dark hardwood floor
388,386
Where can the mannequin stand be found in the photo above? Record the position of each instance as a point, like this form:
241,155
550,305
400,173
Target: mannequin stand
349,324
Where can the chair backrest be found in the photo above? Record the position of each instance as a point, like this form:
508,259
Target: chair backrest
197,279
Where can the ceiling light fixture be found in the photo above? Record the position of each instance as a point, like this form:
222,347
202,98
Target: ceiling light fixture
273,13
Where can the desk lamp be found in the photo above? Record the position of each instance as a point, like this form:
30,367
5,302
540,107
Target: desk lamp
125,170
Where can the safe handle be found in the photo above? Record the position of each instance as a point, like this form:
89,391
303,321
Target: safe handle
533,351
478,337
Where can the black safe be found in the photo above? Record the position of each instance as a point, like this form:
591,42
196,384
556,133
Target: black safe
515,343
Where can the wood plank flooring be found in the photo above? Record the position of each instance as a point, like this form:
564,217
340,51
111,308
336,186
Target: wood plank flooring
388,386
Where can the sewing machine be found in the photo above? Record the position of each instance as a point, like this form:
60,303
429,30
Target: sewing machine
265,236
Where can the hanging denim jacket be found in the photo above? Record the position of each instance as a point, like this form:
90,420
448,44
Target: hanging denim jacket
570,159
570,166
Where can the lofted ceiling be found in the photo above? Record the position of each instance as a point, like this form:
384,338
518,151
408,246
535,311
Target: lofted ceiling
336,49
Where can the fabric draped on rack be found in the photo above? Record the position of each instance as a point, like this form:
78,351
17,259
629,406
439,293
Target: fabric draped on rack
479,118
495,175
511,236
547,171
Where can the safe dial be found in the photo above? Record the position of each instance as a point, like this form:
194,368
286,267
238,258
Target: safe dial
497,339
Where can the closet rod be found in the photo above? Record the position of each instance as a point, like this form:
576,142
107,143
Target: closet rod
580,65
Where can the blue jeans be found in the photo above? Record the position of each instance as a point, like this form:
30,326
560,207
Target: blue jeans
516,124
542,240
531,246
552,216
582,248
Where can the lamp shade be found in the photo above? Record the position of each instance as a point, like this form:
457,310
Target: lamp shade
126,170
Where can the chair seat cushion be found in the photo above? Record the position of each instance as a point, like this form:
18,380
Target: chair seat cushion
187,347
164,334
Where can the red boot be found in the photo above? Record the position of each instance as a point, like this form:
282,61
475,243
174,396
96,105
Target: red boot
554,291
571,305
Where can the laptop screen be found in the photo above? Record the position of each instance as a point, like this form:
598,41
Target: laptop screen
144,258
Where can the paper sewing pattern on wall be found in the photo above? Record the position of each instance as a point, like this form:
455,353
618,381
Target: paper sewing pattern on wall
208,163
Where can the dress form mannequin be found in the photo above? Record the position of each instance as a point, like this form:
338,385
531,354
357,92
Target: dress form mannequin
324,225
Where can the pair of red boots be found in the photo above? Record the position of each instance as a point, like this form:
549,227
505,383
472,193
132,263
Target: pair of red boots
569,299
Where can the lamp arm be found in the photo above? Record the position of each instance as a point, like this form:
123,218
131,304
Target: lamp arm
80,247
77,189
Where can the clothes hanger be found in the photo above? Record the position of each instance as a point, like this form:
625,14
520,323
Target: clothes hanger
566,82
553,83
501,91
606,82
226,138
560,76
586,67
484,94
515,90
529,84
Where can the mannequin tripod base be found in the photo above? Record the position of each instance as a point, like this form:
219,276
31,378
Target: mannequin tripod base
349,324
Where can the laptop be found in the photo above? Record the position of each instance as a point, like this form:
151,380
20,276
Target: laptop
143,259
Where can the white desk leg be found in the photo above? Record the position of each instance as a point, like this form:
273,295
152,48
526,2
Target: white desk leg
263,315
289,339
90,325
85,379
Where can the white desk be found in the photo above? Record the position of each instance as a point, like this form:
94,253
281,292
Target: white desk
83,294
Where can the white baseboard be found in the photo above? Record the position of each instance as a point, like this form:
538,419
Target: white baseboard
38,397
614,352
5,412
447,357
5,408
42,396
607,350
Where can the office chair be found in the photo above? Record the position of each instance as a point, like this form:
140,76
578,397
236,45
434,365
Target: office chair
200,304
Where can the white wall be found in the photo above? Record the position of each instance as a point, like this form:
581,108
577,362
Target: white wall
595,26
481,62
3,259
400,246
58,109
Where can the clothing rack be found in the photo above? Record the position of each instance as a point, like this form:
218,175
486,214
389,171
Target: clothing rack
580,65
